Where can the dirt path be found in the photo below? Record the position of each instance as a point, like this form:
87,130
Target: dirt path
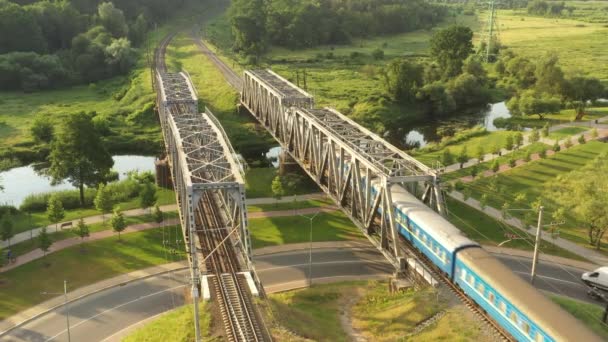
346,319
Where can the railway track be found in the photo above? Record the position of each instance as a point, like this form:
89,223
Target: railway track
496,330
159,53
231,77
237,311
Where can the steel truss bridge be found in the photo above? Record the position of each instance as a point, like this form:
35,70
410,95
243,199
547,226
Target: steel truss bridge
210,190
354,166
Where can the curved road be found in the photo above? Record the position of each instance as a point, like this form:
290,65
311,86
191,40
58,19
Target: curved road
108,315
104,315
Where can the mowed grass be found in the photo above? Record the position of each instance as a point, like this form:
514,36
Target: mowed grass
486,230
58,235
486,142
590,314
532,178
330,226
21,287
258,183
23,222
566,132
175,325
580,45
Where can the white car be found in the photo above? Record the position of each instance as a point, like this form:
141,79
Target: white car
597,278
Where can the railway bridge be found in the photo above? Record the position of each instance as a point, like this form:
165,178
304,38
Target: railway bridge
209,185
354,166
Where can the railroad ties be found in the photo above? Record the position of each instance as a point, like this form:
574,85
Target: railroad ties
209,184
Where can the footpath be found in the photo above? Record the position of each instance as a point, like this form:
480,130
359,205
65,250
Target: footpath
591,255
75,241
32,233
601,126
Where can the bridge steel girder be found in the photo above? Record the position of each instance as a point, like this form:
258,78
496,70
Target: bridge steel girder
354,166
201,159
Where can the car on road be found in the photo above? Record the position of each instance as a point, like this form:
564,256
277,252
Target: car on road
597,278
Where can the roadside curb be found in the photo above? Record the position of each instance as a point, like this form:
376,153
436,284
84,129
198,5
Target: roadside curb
316,245
36,316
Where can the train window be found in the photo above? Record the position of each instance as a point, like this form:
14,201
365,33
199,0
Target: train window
480,288
471,280
491,297
503,307
539,337
513,317
525,327
464,274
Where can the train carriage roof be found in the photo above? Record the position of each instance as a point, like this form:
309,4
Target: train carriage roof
551,317
433,223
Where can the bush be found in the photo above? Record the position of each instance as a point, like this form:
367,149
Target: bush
512,162
378,54
69,198
8,209
581,139
461,136
568,143
556,147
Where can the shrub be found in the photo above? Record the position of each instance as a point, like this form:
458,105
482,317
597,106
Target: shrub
542,153
378,54
556,147
459,185
69,198
581,139
527,156
512,162
568,143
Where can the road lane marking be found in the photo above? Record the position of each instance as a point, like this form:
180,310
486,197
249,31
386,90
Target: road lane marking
556,279
114,308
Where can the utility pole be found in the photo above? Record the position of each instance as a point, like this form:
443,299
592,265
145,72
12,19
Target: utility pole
310,248
537,243
490,31
67,309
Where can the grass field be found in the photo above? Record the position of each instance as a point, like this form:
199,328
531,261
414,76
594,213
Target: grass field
21,287
488,231
581,46
566,132
259,183
532,178
174,325
272,231
23,222
589,314
30,245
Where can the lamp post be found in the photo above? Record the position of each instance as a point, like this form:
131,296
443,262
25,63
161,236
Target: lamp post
65,305
310,249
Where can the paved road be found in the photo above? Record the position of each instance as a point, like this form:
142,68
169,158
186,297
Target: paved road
106,314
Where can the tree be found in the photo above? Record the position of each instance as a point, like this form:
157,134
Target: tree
483,201
580,91
544,132
450,47
584,193
568,143
112,19
78,154
120,56
518,139
103,201
247,19
462,157
82,230
54,210
137,33
556,147
44,241
473,171
42,129
512,162
521,199
277,188
402,79
118,222
549,76
447,158
581,139
147,195
480,153
542,153
7,229
158,215
594,133
534,136
466,193
495,166
527,156
509,143
496,149
378,54
533,103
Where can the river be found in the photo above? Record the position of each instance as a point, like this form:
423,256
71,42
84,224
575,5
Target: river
20,182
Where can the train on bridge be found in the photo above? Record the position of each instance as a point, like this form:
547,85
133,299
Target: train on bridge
371,179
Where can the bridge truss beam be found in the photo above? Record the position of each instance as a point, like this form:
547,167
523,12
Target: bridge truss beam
350,163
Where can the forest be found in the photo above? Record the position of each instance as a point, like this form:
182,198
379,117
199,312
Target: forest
49,44
308,23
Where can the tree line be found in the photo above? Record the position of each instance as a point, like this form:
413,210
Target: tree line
297,24
47,44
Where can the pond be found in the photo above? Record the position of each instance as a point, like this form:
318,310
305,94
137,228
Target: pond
22,181
421,135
